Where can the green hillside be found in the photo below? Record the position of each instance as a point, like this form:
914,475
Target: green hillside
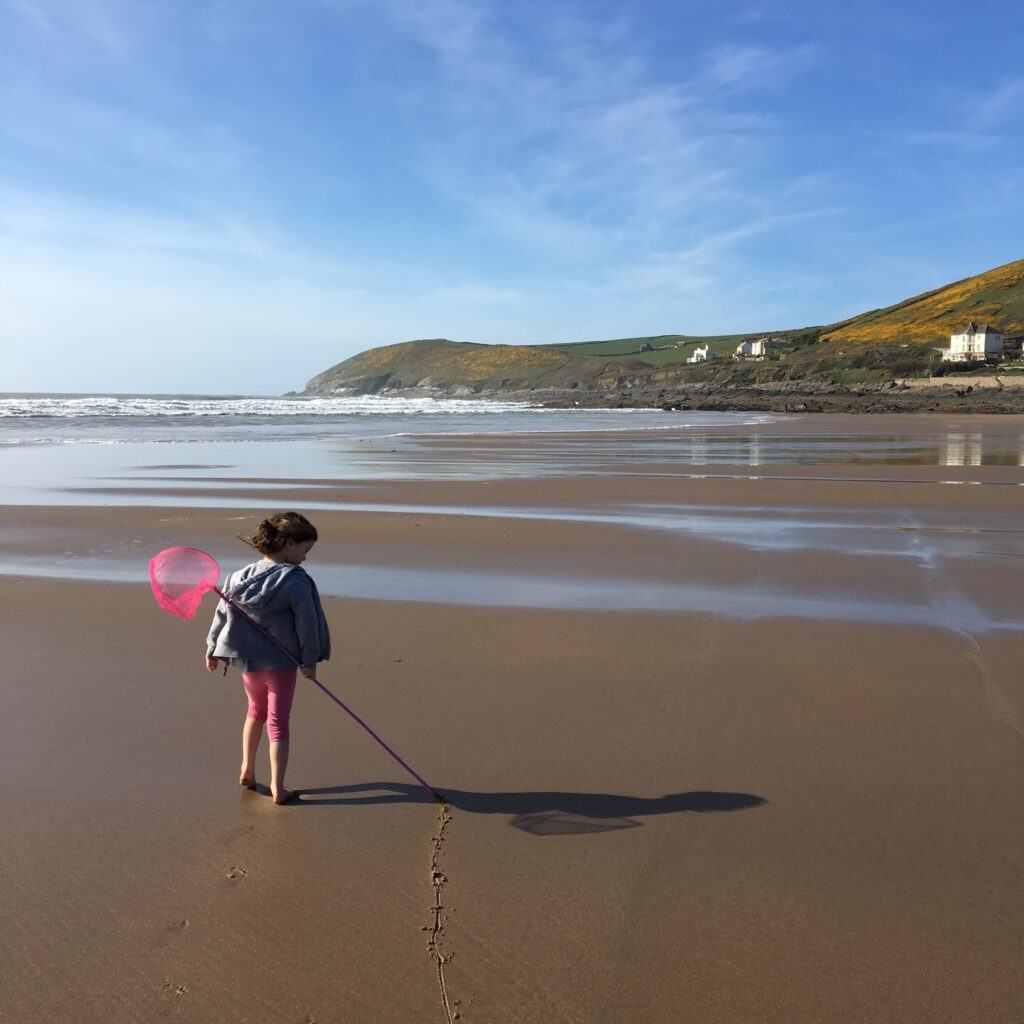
899,340
438,363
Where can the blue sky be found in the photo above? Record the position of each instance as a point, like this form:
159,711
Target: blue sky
232,196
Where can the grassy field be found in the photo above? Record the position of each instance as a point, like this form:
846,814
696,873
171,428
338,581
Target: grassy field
682,347
632,346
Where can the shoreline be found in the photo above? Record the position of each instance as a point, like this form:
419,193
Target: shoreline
947,396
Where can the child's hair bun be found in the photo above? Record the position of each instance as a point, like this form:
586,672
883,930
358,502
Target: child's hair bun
274,532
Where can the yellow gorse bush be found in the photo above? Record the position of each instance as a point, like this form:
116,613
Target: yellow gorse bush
931,319
470,360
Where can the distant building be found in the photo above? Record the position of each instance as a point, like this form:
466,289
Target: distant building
975,342
702,355
646,347
758,348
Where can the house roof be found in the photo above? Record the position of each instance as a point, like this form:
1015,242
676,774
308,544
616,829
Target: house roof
974,328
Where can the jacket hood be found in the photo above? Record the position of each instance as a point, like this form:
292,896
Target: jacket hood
256,584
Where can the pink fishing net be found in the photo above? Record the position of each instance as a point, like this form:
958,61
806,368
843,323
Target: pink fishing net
180,577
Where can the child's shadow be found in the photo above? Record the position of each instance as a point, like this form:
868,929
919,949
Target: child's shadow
541,813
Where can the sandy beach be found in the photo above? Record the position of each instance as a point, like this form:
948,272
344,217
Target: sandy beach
730,742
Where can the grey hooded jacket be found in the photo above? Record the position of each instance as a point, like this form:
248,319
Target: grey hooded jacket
284,600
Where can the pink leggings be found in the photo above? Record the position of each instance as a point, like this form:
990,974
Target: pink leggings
270,696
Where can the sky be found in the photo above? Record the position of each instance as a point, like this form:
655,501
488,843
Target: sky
230,197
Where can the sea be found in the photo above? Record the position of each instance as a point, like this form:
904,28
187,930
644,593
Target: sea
75,419
127,448
112,449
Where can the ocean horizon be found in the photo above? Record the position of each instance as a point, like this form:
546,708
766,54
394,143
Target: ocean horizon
28,418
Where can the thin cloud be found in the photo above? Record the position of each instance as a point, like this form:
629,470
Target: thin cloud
114,138
975,120
962,141
88,27
34,13
64,220
579,153
1003,105
756,67
701,265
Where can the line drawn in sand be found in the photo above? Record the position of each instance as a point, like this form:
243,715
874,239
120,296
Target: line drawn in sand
435,945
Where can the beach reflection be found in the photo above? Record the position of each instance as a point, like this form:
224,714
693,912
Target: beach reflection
171,474
966,450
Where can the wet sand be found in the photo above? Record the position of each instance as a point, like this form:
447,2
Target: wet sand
654,815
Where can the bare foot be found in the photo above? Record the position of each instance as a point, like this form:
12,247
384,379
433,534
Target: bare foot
247,779
285,796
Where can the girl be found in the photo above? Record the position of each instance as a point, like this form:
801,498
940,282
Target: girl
278,594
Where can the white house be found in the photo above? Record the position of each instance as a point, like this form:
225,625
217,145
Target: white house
974,342
759,348
702,355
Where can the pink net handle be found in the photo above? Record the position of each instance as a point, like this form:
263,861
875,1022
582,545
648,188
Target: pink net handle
180,577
